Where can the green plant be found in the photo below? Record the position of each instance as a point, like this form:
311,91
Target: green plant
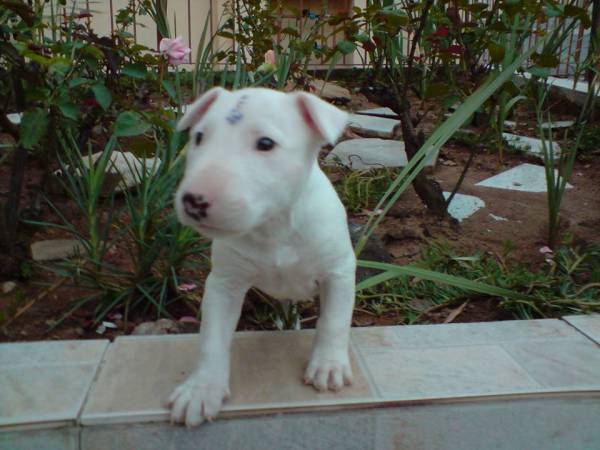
360,190
556,180
567,283
156,247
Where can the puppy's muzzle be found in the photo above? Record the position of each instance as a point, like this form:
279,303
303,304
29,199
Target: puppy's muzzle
195,206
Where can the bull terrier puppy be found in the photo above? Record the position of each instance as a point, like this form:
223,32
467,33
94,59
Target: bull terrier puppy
253,185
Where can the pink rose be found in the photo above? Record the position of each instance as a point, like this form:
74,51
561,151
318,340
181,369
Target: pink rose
270,57
175,50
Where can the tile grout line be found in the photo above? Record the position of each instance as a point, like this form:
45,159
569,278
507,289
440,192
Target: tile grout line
365,368
581,332
514,360
93,381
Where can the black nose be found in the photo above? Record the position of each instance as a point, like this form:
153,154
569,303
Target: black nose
195,206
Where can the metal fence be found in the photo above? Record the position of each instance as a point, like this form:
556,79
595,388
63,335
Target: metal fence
187,19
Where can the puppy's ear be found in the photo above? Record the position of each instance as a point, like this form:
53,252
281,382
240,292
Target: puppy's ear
196,110
324,120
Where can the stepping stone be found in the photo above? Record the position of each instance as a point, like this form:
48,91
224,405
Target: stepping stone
524,178
463,206
125,170
330,91
370,153
381,111
8,287
558,124
531,146
53,249
129,167
14,118
372,126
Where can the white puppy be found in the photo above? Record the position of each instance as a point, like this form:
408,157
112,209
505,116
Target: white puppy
252,183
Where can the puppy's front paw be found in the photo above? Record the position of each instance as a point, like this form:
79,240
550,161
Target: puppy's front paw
199,398
329,370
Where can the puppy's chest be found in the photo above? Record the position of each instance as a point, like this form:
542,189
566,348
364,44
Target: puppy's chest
288,272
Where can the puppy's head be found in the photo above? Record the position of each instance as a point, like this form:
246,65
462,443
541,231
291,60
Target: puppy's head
250,153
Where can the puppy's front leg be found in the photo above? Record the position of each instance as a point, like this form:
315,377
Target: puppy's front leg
201,396
329,365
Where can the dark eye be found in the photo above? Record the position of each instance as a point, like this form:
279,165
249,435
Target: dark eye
198,138
264,144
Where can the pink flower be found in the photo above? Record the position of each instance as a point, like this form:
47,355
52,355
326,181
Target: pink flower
175,50
270,57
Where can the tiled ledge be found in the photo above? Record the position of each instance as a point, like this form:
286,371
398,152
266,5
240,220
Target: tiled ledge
100,384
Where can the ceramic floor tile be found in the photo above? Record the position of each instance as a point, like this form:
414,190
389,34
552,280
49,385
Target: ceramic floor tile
482,333
51,352
557,364
588,325
266,372
446,372
376,338
46,382
44,393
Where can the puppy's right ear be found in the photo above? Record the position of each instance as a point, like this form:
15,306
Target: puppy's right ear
196,110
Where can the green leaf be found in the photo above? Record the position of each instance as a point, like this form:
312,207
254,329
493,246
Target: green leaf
170,89
362,38
137,70
541,72
78,81
130,123
34,125
103,95
394,271
394,17
346,47
69,110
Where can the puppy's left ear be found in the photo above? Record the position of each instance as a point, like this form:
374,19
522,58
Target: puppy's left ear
325,121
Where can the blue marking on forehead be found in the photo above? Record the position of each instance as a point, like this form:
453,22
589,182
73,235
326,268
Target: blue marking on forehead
235,114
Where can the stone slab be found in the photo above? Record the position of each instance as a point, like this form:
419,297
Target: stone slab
531,146
53,249
370,153
15,118
372,126
46,382
523,178
555,125
588,325
380,111
463,206
266,374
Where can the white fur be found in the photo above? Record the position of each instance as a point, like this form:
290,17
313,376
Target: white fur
276,223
